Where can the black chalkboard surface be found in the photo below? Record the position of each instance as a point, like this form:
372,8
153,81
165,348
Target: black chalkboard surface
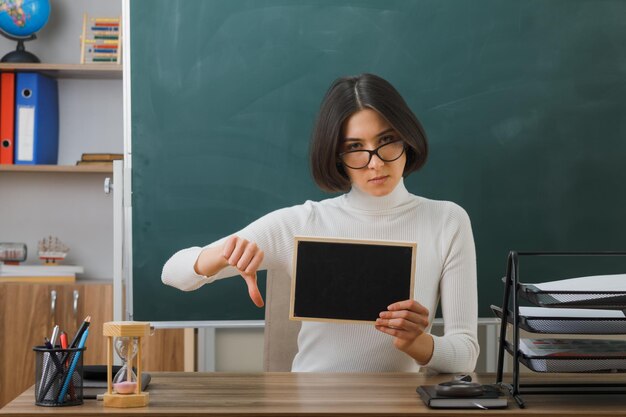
349,280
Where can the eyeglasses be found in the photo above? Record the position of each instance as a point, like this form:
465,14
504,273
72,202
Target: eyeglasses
359,159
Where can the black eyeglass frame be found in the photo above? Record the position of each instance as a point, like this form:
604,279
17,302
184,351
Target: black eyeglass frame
372,153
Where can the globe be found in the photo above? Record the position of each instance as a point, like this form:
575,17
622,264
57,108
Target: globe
20,20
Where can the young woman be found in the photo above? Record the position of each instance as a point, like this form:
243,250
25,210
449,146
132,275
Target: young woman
366,139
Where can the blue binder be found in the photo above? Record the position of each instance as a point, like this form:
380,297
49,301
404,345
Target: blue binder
36,119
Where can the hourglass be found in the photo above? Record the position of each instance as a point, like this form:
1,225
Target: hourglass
124,390
125,381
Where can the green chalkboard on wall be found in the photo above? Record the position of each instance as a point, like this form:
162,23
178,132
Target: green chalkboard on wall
524,103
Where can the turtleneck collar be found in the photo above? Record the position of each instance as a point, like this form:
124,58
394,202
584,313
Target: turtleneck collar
361,200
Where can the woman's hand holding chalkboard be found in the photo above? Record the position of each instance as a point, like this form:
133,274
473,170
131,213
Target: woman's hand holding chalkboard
406,321
246,256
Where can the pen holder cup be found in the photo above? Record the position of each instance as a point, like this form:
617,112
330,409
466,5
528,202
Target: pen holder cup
58,376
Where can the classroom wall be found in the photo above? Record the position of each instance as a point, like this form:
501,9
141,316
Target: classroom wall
241,350
69,206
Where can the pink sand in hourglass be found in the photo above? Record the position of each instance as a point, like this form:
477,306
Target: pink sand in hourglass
125,387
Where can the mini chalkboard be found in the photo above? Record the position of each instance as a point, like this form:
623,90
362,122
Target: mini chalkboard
349,280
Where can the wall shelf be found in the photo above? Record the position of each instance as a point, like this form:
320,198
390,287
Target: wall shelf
86,71
58,168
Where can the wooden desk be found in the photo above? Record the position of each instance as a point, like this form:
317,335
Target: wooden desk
287,394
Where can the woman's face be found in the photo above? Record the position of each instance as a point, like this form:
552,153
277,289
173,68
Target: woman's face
368,130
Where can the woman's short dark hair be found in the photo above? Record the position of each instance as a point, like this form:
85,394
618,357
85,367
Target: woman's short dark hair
345,97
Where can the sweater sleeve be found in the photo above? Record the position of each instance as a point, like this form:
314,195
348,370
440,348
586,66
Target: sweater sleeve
273,233
457,350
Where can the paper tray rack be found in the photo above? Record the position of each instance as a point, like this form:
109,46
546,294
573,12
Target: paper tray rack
574,299
566,325
572,364
509,313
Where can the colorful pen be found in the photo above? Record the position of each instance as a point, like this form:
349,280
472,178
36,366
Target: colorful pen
45,369
84,325
80,331
63,340
55,334
70,372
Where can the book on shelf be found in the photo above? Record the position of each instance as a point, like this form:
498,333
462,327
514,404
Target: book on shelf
41,279
95,163
491,398
40,270
101,156
99,159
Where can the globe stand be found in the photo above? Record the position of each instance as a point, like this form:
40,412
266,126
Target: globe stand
20,54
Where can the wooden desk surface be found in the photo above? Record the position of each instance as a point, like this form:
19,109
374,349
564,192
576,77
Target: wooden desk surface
304,394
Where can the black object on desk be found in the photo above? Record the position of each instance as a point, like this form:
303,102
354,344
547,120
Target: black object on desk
489,397
95,380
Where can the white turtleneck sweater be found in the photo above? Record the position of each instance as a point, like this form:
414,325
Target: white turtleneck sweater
445,267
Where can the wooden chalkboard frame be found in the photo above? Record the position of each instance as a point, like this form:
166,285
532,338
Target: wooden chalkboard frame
325,240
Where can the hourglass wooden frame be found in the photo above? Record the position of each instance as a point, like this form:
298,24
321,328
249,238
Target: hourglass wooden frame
137,330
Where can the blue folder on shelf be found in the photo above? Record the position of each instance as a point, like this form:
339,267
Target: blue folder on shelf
36,119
